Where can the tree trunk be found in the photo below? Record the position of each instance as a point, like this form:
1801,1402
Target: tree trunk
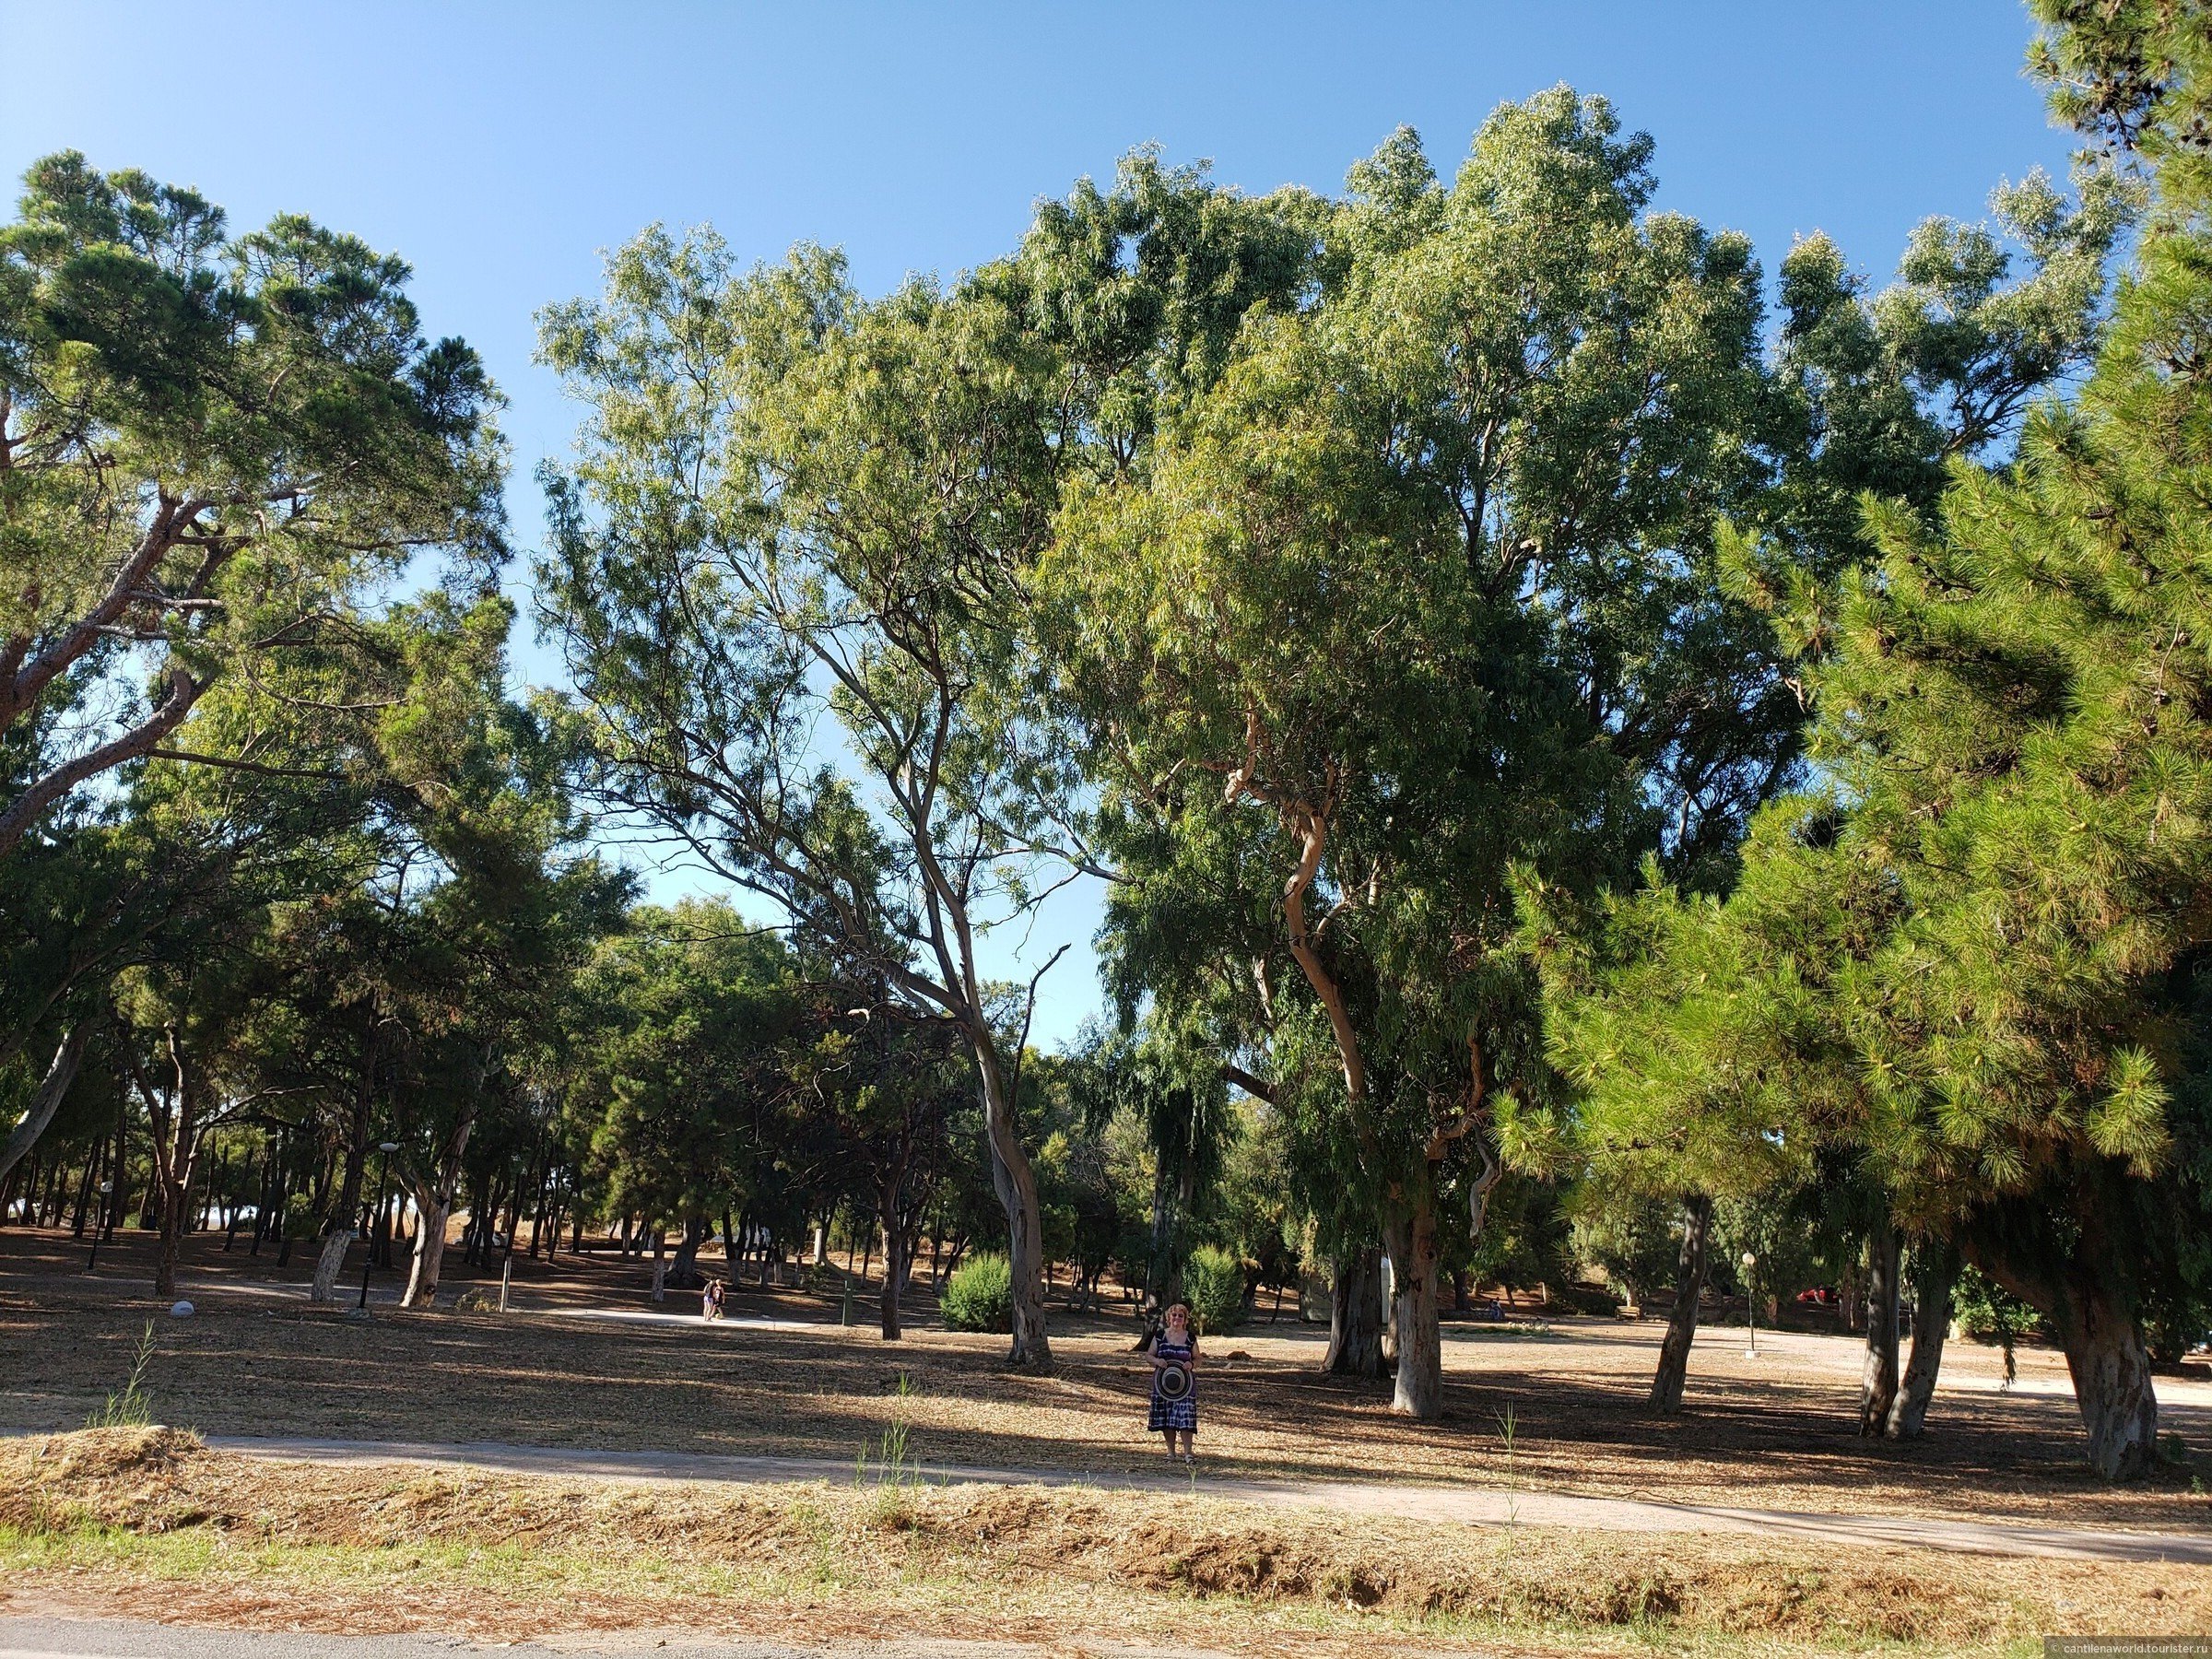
1682,1323
177,1130
660,1265
1356,1315
2111,1365
1877,1381
170,1246
895,1254
60,1074
897,1219
1935,1264
2090,1297
329,1264
348,1203
1163,1267
428,1267
84,1187
1030,1349
683,1273
1410,1235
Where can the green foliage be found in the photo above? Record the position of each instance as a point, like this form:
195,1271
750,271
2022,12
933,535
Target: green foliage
1988,1312
1213,1283
219,447
1967,960
980,1296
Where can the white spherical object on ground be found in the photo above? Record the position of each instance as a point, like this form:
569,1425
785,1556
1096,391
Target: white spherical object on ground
183,1310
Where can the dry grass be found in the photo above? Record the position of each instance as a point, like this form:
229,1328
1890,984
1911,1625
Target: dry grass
244,1541
1777,1432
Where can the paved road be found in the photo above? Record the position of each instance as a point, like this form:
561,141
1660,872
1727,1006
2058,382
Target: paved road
1471,1506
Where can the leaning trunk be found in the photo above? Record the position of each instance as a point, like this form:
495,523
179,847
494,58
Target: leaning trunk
1936,1269
1356,1315
434,1198
60,1074
1411,1235
1016,1185
2090,1300
1877,1379
1682,1323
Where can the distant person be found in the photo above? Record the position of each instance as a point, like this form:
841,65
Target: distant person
1175,1397
711,1300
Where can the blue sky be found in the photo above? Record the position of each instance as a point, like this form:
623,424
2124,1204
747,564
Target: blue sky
498,147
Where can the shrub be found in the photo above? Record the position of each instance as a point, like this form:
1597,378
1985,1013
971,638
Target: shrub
1988,1312
1213,1283
980,1296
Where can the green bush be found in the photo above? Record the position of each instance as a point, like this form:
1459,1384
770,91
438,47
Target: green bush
1213,1283
1988,1312
980,1296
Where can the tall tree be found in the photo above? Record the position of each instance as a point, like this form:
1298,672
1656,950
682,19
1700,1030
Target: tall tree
1386,606
1975,947
800,514
210,446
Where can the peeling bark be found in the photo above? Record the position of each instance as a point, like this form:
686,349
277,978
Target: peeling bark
1410,1234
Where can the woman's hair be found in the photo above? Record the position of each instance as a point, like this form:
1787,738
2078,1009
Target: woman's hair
1181,1308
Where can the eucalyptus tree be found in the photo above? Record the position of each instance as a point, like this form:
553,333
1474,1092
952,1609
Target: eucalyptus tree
1381,612
790,567
210,447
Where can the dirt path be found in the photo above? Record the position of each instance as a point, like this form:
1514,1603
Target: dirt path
1404,1499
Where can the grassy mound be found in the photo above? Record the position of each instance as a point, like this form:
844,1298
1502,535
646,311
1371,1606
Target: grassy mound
377,1547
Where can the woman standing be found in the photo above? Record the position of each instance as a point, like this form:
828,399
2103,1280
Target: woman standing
1175,1385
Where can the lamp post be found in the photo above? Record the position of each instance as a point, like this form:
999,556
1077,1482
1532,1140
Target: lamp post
383,1177
1752,1301
99,1225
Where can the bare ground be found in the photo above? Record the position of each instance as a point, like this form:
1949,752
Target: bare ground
1775,1432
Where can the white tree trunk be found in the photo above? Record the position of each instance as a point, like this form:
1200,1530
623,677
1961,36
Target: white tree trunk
328,1265
43,1104
1411,1235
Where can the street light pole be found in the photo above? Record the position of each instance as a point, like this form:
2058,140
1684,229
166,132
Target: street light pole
1752,1301
99,1225
383,1177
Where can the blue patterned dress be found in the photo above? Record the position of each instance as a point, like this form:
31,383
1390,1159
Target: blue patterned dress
1174,1414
